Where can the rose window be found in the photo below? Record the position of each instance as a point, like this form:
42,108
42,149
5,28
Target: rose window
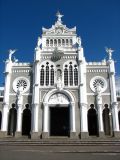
21,83
95,81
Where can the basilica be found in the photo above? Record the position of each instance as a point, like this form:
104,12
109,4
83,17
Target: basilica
60,94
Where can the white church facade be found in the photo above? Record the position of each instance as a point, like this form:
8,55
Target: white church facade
60,93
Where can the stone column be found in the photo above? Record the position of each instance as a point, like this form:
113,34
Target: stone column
45,133
36,94
100,120
84,120
5,111
19,113
116,131
72,121
35,109
99,110
82,93
19,121
114,104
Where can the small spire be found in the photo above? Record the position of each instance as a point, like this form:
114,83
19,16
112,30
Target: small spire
109,51
59,16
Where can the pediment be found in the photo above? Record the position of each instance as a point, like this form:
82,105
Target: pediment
58,30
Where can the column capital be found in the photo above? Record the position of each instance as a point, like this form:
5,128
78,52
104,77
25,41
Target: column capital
5,104
45,104
35,104
84,105
72,103
114,104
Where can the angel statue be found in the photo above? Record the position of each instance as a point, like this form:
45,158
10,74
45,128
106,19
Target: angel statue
11,52
109,51
39,42
79,41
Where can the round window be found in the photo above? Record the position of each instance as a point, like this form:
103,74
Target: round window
95,81
21,83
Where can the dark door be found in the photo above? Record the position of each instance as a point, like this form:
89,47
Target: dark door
12,121
59,121
92,122
26,122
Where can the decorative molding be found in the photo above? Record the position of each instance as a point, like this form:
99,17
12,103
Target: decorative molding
92,94
103,63
97,70
64,57
22,64
24,94
20,71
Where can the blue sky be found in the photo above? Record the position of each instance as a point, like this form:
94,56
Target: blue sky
97,22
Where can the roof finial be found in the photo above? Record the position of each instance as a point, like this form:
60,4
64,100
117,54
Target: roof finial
59,15
109,51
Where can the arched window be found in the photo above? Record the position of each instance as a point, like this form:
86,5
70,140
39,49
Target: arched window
106,120
51,42
71,74
55,42
71,42
26,121
52,76
66,76
47,42
63,42
75,76
42,76
12,121
47,74
92,121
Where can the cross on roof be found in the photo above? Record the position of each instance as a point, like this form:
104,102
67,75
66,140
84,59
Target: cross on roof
59,16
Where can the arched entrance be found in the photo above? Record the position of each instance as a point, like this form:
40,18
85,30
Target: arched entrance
26,121
59,114
0,119
106,120
92,121
12,120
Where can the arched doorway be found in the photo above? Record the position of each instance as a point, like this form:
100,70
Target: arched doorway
106,120
59,114
119,119
92,121
26,121
0,119
12,120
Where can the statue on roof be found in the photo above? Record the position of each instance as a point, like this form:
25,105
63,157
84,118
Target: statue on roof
59,16
79,41
109,51
11,52
39,43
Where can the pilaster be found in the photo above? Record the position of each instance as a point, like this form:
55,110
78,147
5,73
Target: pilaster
5,112
84,121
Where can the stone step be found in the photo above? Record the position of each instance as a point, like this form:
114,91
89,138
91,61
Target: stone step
60,142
